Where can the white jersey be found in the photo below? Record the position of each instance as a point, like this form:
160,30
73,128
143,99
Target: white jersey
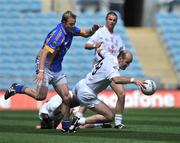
102,73
111,42
50,106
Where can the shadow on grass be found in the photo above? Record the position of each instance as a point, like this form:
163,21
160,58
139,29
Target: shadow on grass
148,122
96,132
18,118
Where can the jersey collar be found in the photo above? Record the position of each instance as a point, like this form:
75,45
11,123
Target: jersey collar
63,29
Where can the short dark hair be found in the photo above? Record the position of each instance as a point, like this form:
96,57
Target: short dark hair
66,15
122,54
112,13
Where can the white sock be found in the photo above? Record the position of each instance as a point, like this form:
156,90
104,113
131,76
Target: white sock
98,124
78,114
82,121
118,119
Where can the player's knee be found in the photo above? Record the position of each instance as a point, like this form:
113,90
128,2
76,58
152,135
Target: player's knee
121,94
40,95
40,98
110,117
66,100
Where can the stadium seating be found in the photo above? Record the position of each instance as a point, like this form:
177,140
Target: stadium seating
168,25
23,29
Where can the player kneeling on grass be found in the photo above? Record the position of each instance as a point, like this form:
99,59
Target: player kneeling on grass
50,114
86,90
103,73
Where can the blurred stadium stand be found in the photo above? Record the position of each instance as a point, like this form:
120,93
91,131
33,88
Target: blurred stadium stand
168,25
22,32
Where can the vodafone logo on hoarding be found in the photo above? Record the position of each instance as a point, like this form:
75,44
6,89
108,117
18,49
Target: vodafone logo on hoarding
135,99
157,100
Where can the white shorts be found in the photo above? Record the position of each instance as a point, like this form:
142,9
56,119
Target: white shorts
50,77
53,78
85,95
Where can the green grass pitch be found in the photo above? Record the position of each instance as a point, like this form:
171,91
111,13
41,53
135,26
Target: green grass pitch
143,126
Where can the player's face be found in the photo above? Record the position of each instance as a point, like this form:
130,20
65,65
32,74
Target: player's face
124,63
111,21
70,23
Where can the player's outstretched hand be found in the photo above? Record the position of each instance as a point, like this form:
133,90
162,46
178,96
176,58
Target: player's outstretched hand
140,83
39,78
95,27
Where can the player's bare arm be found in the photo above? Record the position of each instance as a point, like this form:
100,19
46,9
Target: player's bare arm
127,80
89,32
39,77
92,46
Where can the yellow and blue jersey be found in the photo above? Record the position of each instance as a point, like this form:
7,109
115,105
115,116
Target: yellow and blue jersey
57,42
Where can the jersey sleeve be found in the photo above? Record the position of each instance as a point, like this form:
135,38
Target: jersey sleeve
54,40
77,31
113,74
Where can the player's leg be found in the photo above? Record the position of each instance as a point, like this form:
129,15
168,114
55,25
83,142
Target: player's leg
63,91
119,109
57,117
102,125
54,105
39,93
60,85
88,98
80,112
104,114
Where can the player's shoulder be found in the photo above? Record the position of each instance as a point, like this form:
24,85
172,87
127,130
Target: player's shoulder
110,65
110,59
101,29
115,34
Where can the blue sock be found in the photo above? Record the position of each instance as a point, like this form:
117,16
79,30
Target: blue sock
66,124
19,88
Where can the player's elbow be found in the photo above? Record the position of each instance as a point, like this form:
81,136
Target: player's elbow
88,46
40,98
116,80
119,80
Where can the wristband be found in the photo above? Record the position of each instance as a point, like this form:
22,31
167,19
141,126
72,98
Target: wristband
132,80
94,45
41,70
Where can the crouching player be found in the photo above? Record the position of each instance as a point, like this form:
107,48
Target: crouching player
50,113
103,73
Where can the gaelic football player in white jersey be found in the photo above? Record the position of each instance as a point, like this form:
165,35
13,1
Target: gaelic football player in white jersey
113,44
103,74
50,113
